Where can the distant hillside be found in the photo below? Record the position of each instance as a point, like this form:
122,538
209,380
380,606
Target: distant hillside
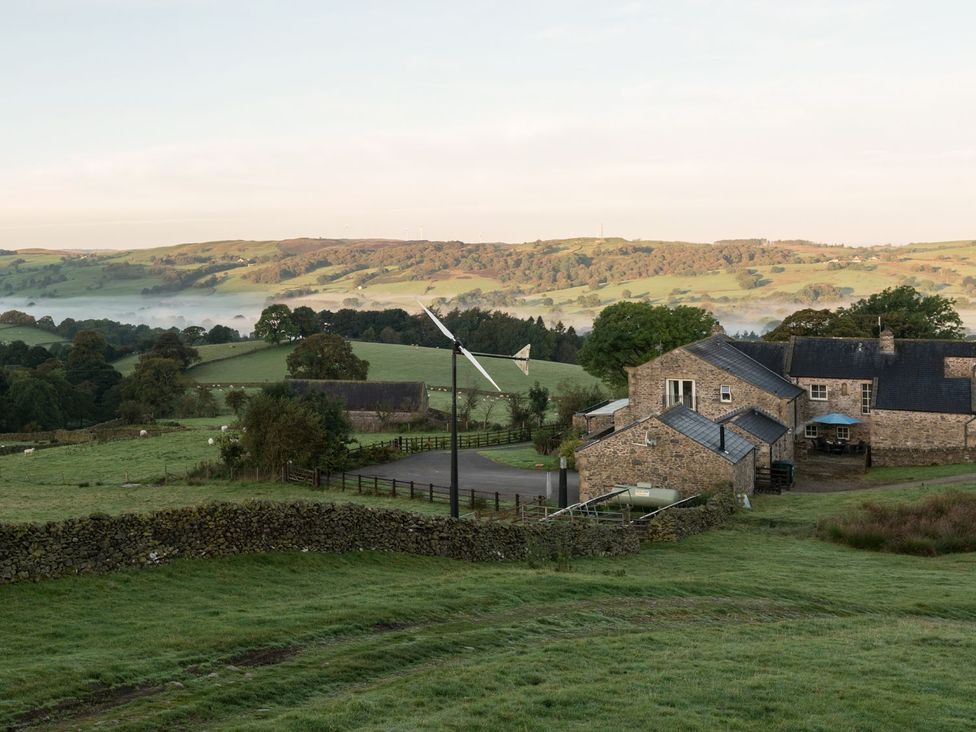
28,334
742,281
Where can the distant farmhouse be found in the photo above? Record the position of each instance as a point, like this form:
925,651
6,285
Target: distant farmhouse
713,412
372,405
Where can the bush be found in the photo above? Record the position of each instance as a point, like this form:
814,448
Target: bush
546,442
567,449
939,524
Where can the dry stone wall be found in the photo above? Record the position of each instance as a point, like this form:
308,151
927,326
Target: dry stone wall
101,543
922,438
678,523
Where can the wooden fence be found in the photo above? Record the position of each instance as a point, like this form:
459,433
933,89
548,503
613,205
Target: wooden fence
374,485
466,441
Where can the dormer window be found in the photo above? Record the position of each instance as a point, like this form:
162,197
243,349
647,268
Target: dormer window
725,393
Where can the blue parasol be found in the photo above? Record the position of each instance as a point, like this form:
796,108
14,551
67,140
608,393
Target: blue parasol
836,418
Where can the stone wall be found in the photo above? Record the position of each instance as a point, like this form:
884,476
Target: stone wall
101,543
922,438
673,461
677,523
844,397
375,422
957,367
648,383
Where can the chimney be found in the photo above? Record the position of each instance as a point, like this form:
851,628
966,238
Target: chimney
717,329
886,341
721,437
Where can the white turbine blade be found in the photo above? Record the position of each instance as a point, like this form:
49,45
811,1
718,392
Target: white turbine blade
478,366
522,359
438,323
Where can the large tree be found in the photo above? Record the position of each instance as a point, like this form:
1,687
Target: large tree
158,383
306,321
631,333
275,324
279,429
170,345
326,356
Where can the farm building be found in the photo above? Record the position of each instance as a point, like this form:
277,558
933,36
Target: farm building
898,402
372,405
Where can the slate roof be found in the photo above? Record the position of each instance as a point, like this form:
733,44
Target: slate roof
772,355
608,409
706,432
719,351
369,396
757,422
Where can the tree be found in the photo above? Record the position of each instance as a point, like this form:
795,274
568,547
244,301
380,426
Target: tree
194,334
519,413
572,397
908,313
278,430
34,403
538,402
468,400
275,324
16,317
806,322
157,383
632,333
168,345
326,356
87,367
236,399
222,334
306,321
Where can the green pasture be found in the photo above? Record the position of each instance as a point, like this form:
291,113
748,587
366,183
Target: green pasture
28,334
388,362
760,626
521,456
208,353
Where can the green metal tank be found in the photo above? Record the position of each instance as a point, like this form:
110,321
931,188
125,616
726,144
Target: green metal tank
645,496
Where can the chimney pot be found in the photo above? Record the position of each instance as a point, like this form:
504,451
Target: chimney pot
886,341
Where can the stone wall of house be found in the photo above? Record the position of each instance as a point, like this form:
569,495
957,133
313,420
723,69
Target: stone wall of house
843,397
673,461
766,454
377,422
622,418
675,524
922,438
648,384
596,423
101,543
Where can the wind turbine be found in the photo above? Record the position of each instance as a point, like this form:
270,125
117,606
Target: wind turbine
521,360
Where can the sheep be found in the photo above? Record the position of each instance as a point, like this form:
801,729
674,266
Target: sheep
224,427
143,433
29,451
210,441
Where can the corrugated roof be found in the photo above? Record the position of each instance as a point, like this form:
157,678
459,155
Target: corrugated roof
760,424
368,396
609,409
719,351
706,432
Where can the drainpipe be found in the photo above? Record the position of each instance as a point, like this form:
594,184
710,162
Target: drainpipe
721,437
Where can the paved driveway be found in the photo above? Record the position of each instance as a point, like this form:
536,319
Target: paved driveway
474,471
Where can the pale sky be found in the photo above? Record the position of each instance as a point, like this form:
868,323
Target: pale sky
132,123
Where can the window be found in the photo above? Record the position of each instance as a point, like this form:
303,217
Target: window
726,393
681,391
818,392
865,398
810,431
843,432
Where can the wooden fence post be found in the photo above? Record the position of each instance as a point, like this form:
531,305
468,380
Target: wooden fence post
496,500
411,490
516,501
394,487
316,478
431,492
472,498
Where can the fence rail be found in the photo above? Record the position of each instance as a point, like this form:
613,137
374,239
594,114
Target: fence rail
374,485
466,441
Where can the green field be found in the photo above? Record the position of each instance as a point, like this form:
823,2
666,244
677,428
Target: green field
394,363
28,334
759,626
208,353
521,456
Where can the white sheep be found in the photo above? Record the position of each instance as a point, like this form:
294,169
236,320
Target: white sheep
210,441
224,428
29,451
143,433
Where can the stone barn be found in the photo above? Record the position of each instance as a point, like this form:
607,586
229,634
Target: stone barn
372,406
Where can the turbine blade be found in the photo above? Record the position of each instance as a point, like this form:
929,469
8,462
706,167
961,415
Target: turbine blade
438,323
478,366
522,359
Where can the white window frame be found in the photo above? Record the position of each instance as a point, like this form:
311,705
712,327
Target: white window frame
811,432
681,392
816,398
843,432
725,393
867,393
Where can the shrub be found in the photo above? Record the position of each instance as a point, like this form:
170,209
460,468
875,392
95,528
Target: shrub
939,524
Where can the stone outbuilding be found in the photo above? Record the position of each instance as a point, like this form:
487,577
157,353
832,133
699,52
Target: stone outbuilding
771,437
372,405
678,449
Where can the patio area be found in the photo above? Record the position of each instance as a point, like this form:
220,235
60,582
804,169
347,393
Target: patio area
833,436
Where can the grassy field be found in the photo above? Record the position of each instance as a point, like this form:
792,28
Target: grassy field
393,363
521,456
757,627
918,472
28,334
208,353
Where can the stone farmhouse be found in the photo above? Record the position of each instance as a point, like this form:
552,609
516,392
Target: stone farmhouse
691,412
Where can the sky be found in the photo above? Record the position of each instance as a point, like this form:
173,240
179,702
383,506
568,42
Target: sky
137,123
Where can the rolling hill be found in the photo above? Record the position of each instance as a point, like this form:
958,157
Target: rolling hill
745,282
28,334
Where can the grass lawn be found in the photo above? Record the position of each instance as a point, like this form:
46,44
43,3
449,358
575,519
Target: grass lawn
208,353
924,472
28,334
758,626
521,456
388,362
